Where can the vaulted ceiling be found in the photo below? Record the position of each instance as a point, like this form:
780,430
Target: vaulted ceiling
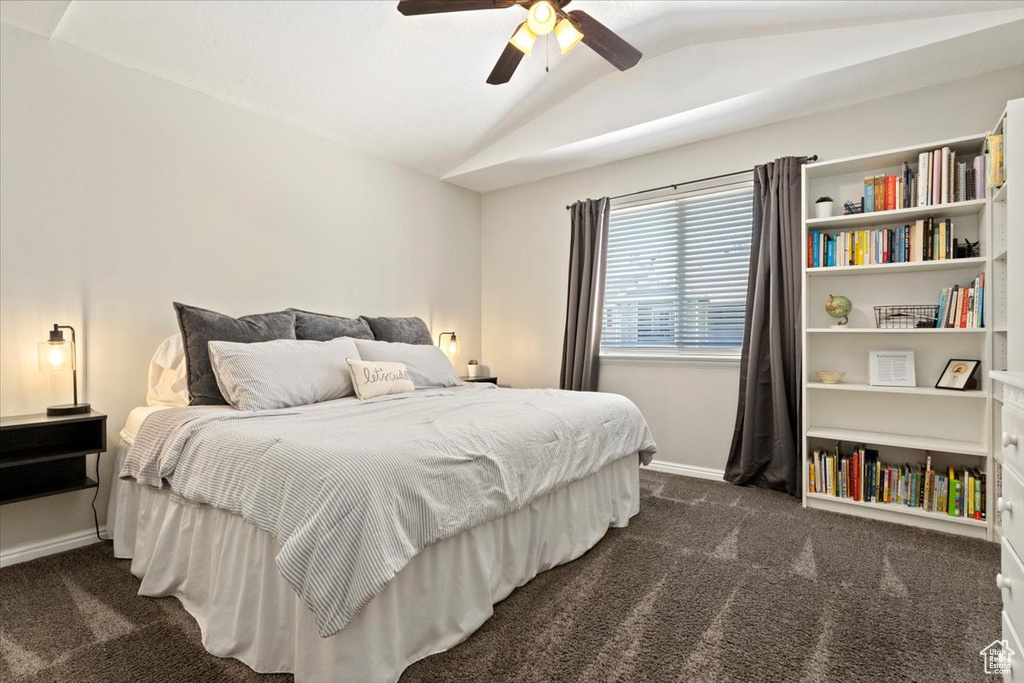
412,89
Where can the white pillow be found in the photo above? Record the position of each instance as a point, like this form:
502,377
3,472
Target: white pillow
376,378
168,378
427,364
282,373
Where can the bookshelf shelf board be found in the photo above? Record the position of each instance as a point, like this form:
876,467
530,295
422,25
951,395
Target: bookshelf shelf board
1000,194
860,220
916,391
901,509
914,330
875,163
922,443
874,269
1000,255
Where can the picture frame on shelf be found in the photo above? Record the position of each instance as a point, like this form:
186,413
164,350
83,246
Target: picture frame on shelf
959,375
891,368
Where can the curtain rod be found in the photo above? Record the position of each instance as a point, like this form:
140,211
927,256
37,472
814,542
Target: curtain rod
813,157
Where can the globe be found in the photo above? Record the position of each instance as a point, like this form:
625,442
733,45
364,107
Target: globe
839,307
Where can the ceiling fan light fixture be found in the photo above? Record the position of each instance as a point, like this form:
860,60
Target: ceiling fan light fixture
541,18
567,34
523,39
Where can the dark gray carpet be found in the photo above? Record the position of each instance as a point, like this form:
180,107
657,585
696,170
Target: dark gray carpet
709,583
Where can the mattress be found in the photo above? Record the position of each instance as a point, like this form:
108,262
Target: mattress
353,490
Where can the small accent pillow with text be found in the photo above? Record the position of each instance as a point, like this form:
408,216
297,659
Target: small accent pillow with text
283,373
375,378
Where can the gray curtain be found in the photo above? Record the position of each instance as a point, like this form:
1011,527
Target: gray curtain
766,442
588,256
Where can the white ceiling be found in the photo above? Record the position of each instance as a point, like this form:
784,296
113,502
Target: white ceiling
412,89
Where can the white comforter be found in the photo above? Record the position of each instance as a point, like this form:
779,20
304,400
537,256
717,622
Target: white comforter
354,490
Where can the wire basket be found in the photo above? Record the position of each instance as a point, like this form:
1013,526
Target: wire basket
906,317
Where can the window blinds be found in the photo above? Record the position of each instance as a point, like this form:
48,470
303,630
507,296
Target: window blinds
677,272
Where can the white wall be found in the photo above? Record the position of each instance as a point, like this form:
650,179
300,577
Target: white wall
691,410
122,192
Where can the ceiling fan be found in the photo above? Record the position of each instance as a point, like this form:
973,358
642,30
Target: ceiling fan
543,17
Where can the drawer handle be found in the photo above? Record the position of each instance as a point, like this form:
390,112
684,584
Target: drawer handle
1004,505
1002,582
1009,439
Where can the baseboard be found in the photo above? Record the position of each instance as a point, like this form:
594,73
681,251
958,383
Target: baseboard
30,551
686,470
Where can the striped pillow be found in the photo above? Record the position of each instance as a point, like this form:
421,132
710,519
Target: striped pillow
282,373
427,364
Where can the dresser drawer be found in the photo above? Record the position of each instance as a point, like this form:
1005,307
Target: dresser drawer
1012,438
1016,674
1012,515
1011,575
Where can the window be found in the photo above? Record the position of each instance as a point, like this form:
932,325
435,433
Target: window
676,281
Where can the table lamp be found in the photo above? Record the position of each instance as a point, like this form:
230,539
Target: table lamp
453,343
58,355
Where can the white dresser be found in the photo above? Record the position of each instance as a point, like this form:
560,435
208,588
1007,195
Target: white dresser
1010,515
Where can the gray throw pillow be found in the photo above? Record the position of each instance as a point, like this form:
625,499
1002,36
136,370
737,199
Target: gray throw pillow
404,330
323,327
199,327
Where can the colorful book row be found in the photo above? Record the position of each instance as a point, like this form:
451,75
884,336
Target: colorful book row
943,179
927,239
963,306
862,477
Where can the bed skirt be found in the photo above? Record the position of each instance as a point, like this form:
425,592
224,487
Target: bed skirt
222,570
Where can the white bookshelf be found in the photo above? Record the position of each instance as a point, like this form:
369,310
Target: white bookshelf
1008,263
904,424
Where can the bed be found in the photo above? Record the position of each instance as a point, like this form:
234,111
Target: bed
238,516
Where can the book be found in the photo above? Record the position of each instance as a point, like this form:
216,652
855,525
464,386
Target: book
923,179
869,194
936,168
979,177
954,489
944,195
996,171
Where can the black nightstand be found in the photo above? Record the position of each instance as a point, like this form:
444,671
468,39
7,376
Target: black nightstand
43,456
486,380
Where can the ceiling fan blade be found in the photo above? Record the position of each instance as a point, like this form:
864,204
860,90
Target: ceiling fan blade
506,66
413,7
604,42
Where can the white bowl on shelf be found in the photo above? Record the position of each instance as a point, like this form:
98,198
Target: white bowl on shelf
830,376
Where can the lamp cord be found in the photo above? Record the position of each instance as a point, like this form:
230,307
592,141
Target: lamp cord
95,495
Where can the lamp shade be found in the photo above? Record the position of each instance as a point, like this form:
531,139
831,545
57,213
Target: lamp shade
523,39
567,35
453,345
55,356
541,18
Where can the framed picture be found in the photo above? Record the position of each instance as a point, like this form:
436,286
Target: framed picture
891,368
959,375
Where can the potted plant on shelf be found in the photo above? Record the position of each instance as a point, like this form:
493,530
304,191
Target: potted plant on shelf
823,207
473,368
